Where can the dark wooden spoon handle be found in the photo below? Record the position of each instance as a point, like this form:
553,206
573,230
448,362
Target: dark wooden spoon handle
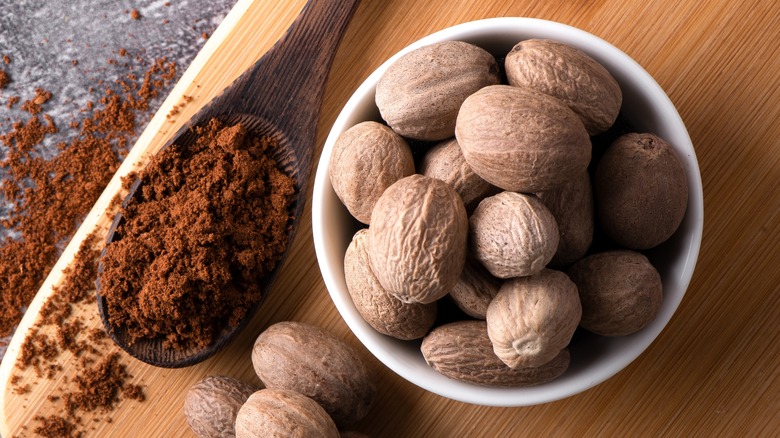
286,85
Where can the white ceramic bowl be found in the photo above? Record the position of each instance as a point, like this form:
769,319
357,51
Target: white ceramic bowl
594,358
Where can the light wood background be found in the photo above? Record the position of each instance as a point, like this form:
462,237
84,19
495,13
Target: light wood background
713,371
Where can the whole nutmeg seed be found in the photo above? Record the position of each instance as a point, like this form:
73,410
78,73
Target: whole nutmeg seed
520,139
572,207
475,289
304,358
462,351
417,239
570,75
280,413
211,405
621,292
513,234
420,93
641,191
445,161
533,318
385,313
367,158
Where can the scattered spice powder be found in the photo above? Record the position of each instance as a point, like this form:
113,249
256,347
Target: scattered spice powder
55,426
98,387
22,390
209,221
33,106
100,380
49,198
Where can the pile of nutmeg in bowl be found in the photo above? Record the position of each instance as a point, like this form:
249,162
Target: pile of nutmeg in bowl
480,185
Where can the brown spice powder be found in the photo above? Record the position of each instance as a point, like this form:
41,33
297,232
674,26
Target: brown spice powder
55,426
98,387
210,220
100,379
12,100
33,106
51,197
4,79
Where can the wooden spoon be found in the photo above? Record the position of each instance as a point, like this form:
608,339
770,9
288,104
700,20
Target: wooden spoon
279,96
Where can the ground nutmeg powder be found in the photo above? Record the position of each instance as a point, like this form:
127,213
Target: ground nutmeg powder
97,379
209,221
50,196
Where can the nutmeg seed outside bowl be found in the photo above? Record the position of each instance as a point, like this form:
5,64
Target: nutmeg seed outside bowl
594,358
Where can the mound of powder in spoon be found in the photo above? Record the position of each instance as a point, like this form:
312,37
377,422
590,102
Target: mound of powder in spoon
209,221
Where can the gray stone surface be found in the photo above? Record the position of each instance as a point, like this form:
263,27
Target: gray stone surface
43,38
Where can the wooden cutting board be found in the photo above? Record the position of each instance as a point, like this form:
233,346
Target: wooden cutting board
713,371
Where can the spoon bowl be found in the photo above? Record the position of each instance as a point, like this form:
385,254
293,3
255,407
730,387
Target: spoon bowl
278,97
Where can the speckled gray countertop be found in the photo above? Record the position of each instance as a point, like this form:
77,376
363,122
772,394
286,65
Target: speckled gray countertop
64,47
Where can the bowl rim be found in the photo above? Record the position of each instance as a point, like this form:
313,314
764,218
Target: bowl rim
525,396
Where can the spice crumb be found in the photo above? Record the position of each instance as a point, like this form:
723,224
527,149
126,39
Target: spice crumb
135,392
12,100
135,15
21,390
6,59
205,35
5,79
55,426
33,106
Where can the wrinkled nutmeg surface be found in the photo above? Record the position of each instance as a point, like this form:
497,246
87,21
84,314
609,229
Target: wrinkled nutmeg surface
445,161
620,291
641,191
417,239
520,139
280,413
367,158
513,234
570,75
211,406
382,311
304,358
475,289
462,351
420,93
533,318
572,206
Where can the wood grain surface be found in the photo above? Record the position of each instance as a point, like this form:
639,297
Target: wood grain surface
713,371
